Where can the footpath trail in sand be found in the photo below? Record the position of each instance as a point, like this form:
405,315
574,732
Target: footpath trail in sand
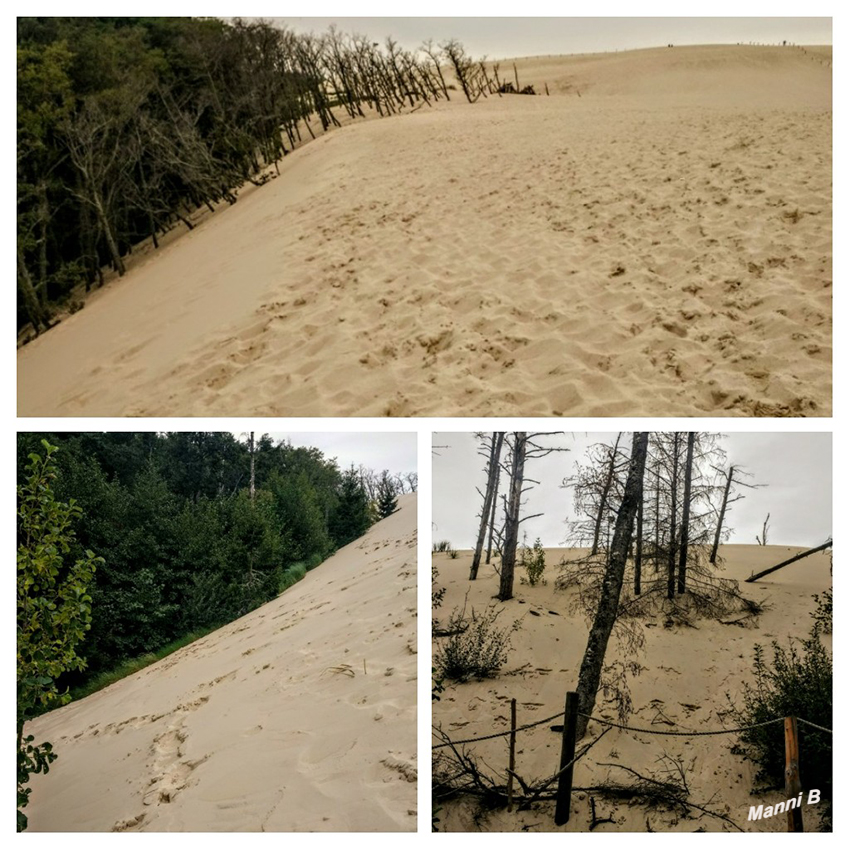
653,239
300,716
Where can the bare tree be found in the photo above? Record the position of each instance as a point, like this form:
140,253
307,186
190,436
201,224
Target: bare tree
492,522
609,600
762,541
489,495
522,447
686,513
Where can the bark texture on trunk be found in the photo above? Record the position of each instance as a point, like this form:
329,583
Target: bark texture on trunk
492,477
719,529
506,583
609,600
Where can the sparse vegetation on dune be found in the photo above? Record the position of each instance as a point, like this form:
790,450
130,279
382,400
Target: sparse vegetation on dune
648,625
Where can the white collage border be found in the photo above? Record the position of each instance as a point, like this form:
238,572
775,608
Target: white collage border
424,427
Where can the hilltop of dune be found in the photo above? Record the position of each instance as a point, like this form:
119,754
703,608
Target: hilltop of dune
654,238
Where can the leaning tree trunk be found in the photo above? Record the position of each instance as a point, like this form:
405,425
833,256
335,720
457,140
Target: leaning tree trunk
32,307
686,514
492,476
106,229
719,529
639,542
603,499
493,515
671,546
506,583
612,584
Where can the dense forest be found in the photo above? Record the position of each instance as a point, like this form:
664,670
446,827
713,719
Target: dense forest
126,126
196,529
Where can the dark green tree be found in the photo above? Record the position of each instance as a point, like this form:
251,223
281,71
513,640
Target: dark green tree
387,503
352,516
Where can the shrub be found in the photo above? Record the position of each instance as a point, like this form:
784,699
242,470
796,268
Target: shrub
437,593
474,647
54,609
293,575
444,546
533,561
823,612
797,683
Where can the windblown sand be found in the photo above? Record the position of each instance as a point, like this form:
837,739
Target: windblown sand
686,676
300,716
653,239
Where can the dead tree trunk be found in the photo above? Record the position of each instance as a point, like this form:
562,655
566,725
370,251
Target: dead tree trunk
606,489
609,600
686,513
493,512
512,508
791,560
671,546
489,495
639,542
713,558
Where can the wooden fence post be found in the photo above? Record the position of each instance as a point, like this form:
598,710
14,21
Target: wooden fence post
568,752
792,774
512,757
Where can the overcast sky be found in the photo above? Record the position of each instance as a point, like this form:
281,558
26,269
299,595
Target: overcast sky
395,452
507,37
796,469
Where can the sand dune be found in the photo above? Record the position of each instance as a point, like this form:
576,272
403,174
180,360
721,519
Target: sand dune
687,673
660,245
299,716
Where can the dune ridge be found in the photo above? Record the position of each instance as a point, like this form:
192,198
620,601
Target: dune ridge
299,716
661,245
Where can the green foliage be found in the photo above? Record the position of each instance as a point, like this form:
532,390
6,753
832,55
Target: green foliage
124,124
54,608
387,503
823,611
352,516
474,646
533,561
185,547
796,682
292,576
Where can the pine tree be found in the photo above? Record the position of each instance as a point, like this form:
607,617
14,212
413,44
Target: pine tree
351,517
387,503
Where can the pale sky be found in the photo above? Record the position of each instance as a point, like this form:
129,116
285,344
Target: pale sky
393,451
796,469
510,37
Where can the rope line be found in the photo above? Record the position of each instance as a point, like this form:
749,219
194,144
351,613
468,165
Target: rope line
809,723
499,734
682,734
678,734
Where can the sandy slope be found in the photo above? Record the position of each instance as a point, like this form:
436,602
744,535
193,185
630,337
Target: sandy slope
687,674
659,245
257,727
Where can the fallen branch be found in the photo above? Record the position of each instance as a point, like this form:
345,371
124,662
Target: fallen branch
802,555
